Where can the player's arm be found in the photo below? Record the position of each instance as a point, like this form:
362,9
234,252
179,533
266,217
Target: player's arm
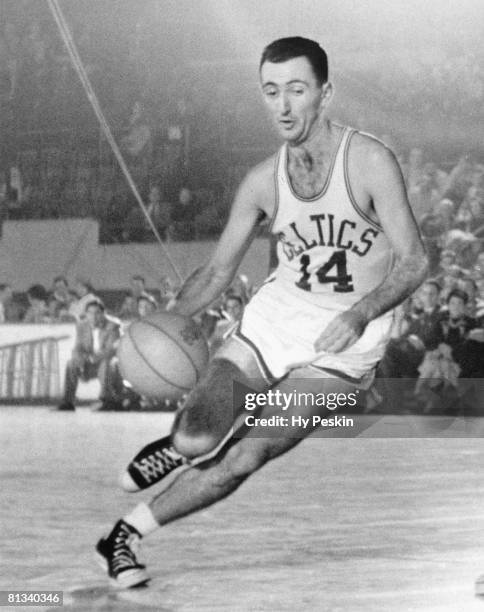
384,185
207,282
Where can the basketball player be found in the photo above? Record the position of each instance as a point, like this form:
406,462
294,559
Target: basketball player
349,252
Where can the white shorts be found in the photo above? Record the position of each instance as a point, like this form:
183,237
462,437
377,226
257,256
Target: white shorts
280,327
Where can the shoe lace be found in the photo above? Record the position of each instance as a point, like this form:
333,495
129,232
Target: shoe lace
123,553
157,464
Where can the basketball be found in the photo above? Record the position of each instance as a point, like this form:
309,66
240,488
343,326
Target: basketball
163,355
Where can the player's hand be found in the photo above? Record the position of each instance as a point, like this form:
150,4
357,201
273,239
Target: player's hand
343,331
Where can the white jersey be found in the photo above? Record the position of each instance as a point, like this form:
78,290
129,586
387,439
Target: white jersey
327,246
330,255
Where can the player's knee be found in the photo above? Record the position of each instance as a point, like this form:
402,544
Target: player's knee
207,415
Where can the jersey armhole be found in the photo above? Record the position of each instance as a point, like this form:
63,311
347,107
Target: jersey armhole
272,221
351,196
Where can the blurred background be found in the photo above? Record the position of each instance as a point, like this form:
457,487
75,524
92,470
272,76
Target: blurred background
178,84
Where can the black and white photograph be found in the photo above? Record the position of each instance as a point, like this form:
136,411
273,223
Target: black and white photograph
242,305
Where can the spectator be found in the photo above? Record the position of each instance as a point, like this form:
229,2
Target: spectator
405,354
59,311
146,306
138,143
60,291
38,311
129,308
457,351
10,311
479,265
137,228
5,296
469,286
93,354
85,295
453,328
183,216
168,291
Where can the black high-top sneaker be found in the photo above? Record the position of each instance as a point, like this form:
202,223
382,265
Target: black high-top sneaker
151,464
116,554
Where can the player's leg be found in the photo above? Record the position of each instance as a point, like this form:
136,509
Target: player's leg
202,424
202,485
248,450
194,489
208,414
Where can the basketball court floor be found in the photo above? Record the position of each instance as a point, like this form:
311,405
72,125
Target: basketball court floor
337,525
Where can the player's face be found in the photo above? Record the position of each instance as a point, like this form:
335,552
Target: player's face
294,97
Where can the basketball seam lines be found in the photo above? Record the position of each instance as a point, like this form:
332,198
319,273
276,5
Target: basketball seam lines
135,344
179,345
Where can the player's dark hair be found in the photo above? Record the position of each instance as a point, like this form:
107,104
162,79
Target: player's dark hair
284,49
139,278
61,278
458,293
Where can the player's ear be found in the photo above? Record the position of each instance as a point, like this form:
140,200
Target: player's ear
326,94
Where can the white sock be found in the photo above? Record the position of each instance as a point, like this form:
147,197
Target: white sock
142,519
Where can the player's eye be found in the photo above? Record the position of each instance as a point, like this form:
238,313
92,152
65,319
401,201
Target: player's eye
297,90
270,93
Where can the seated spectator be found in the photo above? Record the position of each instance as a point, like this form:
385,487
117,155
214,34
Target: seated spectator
5,296
10,311
85,295
456,352
146,306
129,308
58,311
61,292
422,323
95,348
404,355
37,312
469,286
168,292
479,265
452,328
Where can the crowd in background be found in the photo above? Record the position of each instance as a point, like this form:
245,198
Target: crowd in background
63,303
55,164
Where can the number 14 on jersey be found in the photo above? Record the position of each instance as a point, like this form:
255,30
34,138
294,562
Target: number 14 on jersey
341,280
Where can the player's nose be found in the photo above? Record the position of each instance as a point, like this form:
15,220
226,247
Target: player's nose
284,106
